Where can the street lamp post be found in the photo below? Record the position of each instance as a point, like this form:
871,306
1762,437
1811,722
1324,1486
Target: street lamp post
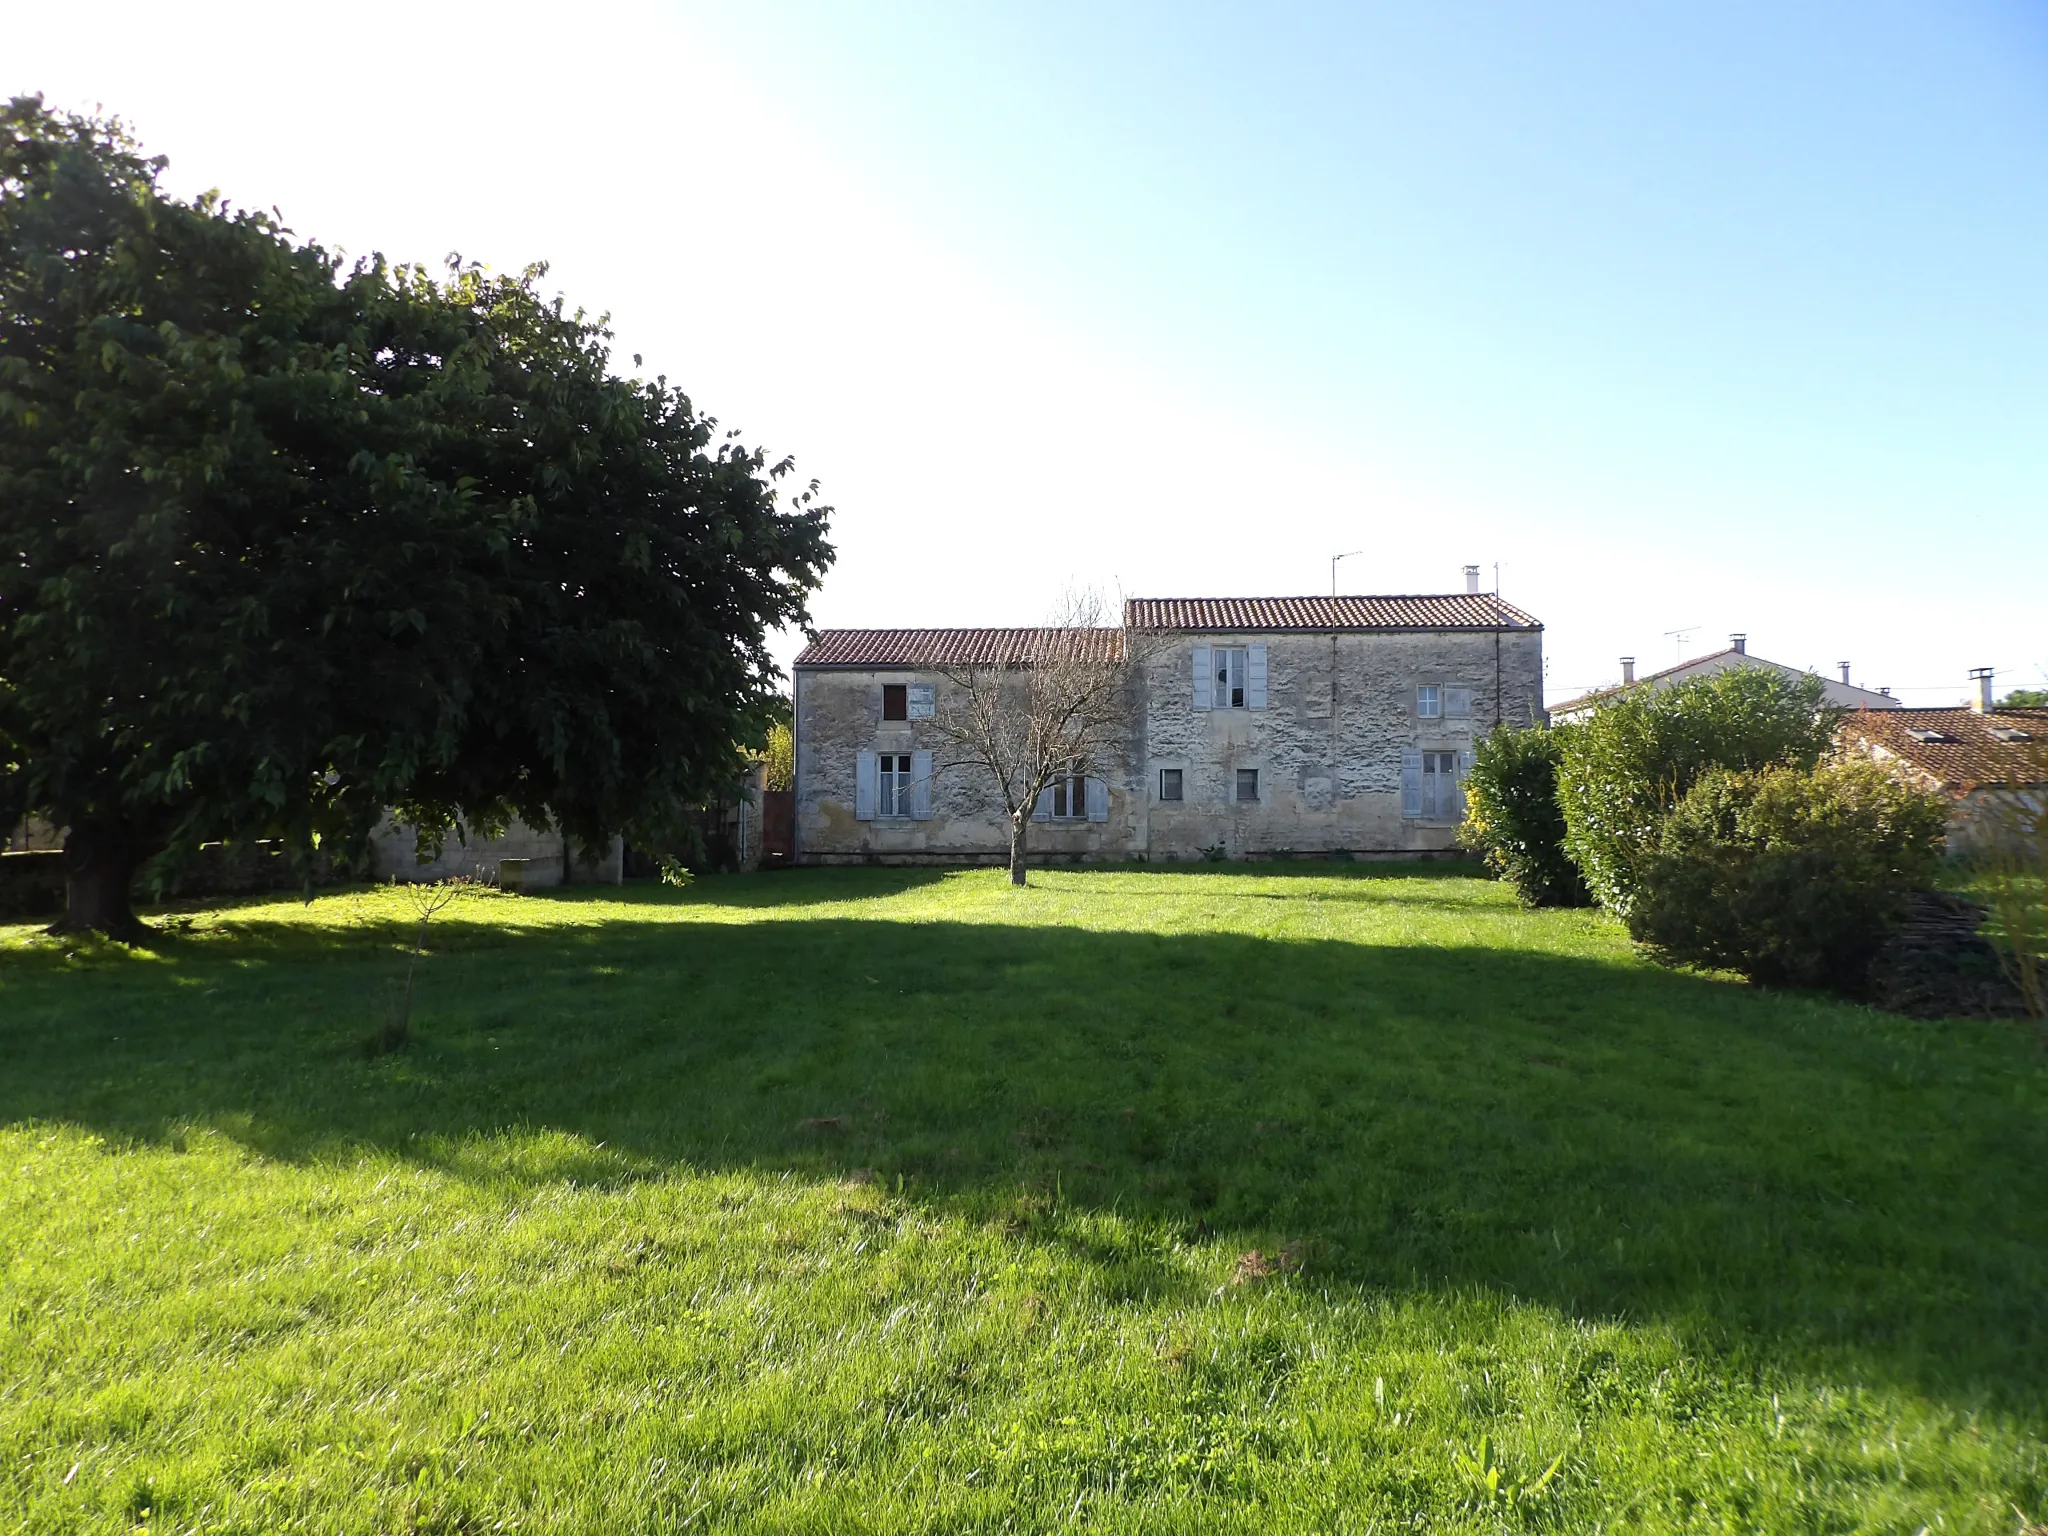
1333,567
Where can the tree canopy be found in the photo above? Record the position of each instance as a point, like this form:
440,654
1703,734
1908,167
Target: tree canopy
285,541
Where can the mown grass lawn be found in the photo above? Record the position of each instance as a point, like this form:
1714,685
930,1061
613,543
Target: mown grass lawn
1228,1199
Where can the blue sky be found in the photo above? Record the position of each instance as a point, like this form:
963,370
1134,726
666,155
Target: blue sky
1729,316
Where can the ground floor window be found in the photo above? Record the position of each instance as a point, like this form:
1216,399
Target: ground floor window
1070,795
1441,797
1248,784
892,784
1169,783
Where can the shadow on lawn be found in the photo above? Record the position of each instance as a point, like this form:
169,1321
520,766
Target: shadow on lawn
1775,1175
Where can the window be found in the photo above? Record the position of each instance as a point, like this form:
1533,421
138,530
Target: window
1169,783
923,703
1070,794
1441,800
1429,702
1458,703
1248,784
1230,669
895,701
892,783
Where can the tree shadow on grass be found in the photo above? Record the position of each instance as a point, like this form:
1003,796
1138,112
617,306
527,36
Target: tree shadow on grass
1797,1180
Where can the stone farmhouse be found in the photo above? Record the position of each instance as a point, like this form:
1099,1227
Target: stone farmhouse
1842,694
1258,727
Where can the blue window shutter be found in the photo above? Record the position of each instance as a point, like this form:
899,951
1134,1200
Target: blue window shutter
1043,810
1255,677
1205,678
920,786
1411,783
1458,789
1098,800
864,788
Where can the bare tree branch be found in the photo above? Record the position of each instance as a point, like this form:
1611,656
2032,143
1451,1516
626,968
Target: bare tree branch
1062,704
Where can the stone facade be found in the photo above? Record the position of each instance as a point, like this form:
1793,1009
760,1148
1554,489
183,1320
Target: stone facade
1351,743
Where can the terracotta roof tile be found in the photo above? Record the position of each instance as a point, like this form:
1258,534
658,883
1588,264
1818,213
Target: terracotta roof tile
1954,748
937,647
1265,615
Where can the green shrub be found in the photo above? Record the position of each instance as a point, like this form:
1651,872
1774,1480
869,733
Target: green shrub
1791,877
779,757
1512,815
1624,768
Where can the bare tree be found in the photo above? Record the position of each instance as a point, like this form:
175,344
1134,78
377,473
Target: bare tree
1057,704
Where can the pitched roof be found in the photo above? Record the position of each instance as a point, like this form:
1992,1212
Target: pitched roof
1268,615
1726,653
1956,748
940,647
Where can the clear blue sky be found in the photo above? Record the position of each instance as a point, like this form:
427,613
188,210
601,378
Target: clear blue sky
1733,316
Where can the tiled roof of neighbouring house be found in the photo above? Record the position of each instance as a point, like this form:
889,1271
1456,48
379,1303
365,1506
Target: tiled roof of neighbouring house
1960,749
1685,668
1269,615
942,647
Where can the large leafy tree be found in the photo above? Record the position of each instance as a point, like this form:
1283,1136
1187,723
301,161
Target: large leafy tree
283,543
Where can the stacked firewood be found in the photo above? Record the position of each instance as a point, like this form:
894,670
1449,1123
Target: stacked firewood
1939,965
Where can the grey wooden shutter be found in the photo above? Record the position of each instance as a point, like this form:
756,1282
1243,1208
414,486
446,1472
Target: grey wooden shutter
1411,783
920,786
1205,677
1098,800
1042,811
864,788
1255,677
1458,787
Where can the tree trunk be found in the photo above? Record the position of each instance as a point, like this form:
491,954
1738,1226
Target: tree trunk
99,871
1019,824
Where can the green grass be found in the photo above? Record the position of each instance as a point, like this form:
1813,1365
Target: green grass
878,1200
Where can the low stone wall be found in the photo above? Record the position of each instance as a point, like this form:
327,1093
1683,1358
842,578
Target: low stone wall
538,859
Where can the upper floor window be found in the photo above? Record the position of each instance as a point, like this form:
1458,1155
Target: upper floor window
895,701
1230,677
1429,702
1230,664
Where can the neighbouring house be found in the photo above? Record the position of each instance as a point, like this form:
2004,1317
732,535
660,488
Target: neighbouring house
1257,727
1991,762
1843,694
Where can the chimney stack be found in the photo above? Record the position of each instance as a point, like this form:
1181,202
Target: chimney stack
1982,703
1471,578
1628,670
1740,644
1845,672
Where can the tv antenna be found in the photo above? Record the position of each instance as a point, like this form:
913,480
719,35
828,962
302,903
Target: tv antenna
1677,639
1333,567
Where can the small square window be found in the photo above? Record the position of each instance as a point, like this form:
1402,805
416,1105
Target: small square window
1429,702
1169,783
895,701
1248,784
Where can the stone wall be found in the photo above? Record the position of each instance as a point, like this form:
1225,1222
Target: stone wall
1340,711
394,855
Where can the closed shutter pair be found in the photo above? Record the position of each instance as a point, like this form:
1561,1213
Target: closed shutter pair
1411,786
866,787
1254,677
